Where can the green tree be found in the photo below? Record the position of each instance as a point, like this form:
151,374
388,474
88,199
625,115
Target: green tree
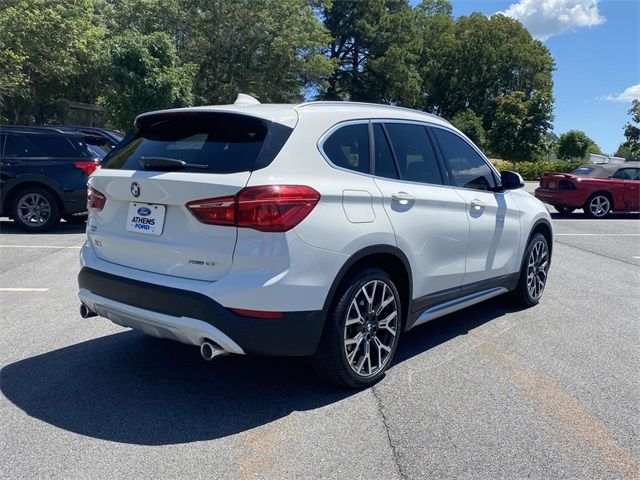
374,50
473,61
271,49
520,125
46,45
145,75
471,125
575,144
630,149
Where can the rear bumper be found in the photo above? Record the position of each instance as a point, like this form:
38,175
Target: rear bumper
191,317
564,198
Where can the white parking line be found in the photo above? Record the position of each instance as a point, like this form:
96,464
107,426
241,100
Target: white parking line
39,246
597,234
23,289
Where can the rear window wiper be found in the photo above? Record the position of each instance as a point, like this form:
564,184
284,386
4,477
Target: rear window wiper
167,164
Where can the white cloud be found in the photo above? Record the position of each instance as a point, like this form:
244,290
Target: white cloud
546,18
629,95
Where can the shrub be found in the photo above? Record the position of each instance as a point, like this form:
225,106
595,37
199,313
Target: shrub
534,170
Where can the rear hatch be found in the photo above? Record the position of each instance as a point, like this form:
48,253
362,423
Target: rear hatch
144,222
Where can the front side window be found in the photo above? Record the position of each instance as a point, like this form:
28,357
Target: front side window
468,168
417,161
348,147
627,174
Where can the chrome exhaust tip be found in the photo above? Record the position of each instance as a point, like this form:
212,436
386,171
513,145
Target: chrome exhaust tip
210,351
86,312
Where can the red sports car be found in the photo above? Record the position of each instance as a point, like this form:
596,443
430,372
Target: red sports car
598,189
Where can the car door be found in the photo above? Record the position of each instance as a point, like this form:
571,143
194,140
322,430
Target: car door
429,219
494,216
631,181
15,152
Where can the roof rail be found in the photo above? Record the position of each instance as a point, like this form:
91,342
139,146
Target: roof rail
365,104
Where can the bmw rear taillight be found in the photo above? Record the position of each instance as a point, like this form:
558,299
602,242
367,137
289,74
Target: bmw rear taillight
87,167
95,200
268,208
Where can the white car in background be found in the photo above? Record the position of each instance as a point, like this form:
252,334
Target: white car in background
324,229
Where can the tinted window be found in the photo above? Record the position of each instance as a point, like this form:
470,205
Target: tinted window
99,146
348,147
224,143
385,166
18,146
416,159
468,168
59,145
627,174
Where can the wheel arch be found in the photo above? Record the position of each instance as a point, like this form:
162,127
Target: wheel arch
542,226
604,193
386,257
12,188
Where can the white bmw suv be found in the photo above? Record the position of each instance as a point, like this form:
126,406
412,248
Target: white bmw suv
324,229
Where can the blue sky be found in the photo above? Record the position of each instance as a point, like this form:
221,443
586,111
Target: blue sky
596,47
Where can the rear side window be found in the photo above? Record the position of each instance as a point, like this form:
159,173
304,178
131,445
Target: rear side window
16,146
220,143
385,166
58,146
348,147
468,168
416,159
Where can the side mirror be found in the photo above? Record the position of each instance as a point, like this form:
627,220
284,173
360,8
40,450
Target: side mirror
511,180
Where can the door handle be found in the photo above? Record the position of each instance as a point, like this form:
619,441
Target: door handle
402,198
477,204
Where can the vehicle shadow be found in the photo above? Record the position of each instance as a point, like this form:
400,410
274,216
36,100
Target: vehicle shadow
9,227
578,215
130,388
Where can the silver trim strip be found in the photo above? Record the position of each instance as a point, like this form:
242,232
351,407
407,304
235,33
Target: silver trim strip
456,304
182,329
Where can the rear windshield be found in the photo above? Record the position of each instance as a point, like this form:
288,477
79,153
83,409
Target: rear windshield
212,142
596,171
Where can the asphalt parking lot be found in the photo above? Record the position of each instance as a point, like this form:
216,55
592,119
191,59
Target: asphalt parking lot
490,392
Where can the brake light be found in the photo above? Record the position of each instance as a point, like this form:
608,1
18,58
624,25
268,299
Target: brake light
566,185
268,208
95,200
88,167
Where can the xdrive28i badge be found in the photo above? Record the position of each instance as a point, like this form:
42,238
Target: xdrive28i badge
135,189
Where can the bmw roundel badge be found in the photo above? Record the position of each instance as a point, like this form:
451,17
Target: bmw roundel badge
135,189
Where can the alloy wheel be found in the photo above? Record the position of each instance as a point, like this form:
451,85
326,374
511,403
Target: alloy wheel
599,206
371,327
537,268
33,209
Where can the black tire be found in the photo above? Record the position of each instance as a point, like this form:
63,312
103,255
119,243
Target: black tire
75,219
524,295
330,360
599,205
35,209
564,210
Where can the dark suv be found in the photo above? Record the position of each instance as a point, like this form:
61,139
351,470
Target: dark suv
43,175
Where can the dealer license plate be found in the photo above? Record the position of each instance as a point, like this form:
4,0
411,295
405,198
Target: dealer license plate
145,218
